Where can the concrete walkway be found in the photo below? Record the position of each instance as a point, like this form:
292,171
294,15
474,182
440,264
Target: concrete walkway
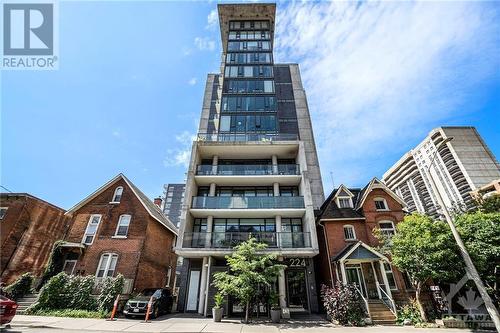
192,324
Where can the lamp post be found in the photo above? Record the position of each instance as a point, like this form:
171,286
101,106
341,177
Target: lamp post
470,269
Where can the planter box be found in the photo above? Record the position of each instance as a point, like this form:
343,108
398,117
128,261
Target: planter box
217,314
454,323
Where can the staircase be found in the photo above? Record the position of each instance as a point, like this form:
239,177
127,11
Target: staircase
380,313
24,302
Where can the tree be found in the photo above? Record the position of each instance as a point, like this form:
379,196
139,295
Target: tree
490,204
249,269
424,249
480,233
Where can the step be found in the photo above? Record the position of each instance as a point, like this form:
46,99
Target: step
384,322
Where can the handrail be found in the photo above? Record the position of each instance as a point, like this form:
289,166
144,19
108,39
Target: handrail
364,299
392,305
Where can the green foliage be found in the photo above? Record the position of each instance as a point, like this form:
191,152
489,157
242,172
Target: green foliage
249,270
110,288
490,204
69,313
54,265
79,292
480,233
20,287
409,312
274,300
53,293
219,300
343,304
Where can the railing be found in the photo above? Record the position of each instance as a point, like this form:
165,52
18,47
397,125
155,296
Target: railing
367,308
282,240
247,202
236,137
386,299
248,170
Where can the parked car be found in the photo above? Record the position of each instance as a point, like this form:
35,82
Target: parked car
7,310
162,303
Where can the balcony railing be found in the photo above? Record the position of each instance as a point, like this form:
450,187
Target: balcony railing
238,137
247,202
248,170
225,240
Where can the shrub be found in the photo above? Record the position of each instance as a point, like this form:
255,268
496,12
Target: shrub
343,304
69,313
20,287
219,300
110,288
409,312
54,265
79,291
53,293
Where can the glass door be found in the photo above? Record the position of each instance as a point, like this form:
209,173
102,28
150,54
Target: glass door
297,290
355,276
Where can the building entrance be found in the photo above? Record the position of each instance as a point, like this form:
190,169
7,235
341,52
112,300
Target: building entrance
297,290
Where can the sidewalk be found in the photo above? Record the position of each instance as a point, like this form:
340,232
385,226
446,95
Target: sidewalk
193,324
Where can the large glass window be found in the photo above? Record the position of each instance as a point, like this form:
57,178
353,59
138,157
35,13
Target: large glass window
243,124
249,46
107,265
248,25
248,103
249,86
248,71
248,58
235,35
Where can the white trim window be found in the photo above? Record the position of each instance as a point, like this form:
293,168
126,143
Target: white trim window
387,228
69,266
92,226
380,204
349,233
123,224
107,265
390,276
344,202
117,196
3,211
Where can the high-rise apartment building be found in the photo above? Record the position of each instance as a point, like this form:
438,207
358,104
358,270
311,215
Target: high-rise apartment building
458,167
254,169
173,199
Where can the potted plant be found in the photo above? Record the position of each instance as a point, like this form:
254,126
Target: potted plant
218,310
275,307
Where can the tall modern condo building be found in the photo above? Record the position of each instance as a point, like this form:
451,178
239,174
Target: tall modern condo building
254,169
458,167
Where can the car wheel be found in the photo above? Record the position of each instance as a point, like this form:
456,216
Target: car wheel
155,313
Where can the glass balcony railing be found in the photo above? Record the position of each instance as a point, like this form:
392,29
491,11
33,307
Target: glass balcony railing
247,202
248,170
225,240
238,137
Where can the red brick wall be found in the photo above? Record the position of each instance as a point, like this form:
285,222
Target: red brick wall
27,234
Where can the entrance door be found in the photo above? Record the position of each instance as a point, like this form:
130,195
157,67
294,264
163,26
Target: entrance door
297,290
194,283
355,276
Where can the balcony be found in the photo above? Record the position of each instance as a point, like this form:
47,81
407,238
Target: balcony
248,170
246,137
228,240
247,202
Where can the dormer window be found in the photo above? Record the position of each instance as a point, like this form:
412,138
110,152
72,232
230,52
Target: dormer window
344,202
117,196
349,233
380,204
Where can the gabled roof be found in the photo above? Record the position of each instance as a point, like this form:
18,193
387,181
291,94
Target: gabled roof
373,184
358,250
150,206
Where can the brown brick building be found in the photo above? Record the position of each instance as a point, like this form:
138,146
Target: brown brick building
29,227
347,242
117,229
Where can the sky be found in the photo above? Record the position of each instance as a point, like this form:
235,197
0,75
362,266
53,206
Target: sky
379,76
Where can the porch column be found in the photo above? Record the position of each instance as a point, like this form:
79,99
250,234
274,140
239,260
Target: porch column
342,269
203,285
275,164
208,238
376,279
211,192
276,189
215,162
282,286
384,277
209,269
278,230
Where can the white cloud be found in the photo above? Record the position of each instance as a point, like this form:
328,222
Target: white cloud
116,133
181,155
212,20
380,75
204,43
192,81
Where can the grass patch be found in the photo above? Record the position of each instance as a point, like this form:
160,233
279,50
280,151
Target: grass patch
71,313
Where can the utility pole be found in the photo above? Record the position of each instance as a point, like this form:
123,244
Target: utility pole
470,269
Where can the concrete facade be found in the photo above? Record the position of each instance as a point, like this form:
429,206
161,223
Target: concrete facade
460,166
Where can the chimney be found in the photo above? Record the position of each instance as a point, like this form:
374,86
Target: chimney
157,201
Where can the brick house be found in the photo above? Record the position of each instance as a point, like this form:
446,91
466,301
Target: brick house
347,242
29,226
117,229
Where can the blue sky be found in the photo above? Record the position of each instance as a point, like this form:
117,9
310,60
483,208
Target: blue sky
128,92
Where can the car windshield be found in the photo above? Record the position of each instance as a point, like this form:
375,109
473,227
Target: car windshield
151,292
